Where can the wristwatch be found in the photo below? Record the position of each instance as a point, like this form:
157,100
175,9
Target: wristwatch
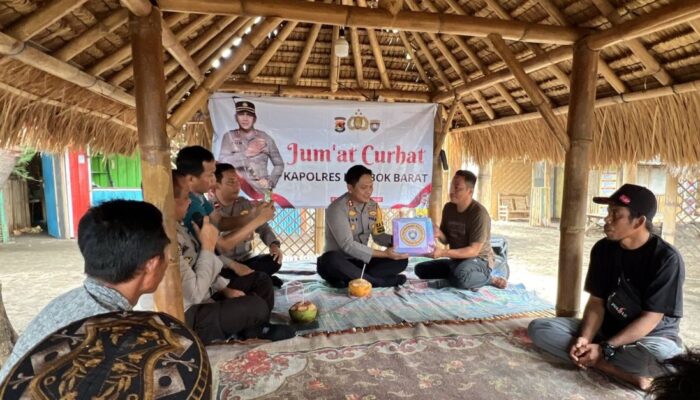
608,351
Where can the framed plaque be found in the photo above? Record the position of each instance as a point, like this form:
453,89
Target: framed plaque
413,236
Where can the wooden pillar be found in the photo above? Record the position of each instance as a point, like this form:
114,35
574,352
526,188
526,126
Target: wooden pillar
483,184
440,131
319,234
670,208
154,145
629,173
573,220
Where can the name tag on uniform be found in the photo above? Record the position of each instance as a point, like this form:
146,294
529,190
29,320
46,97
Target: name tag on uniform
413,235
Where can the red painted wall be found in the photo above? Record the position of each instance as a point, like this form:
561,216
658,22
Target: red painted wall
79,185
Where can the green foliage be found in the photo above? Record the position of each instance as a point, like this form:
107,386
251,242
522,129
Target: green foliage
20,170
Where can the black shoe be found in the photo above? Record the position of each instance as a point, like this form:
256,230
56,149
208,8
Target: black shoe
276,281
277,332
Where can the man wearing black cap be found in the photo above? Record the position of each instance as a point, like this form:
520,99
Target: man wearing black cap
635,280
248,150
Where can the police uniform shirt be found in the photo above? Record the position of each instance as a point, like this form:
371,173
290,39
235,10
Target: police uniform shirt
253,168
243,206
199,270
349,226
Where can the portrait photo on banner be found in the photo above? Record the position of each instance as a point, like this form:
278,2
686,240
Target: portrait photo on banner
296,151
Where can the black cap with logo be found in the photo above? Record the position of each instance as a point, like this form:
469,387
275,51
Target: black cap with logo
635,197
245,106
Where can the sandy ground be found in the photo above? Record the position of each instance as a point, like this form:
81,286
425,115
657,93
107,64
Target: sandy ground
36,268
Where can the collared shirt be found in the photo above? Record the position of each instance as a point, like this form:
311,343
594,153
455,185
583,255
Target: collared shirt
237,150
199,270
349,226
93,298
243,206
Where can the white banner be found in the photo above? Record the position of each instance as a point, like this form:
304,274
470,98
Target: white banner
301,148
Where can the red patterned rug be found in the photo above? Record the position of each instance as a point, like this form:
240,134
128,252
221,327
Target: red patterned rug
495,365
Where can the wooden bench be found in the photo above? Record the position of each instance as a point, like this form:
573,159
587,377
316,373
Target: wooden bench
594,221
513,207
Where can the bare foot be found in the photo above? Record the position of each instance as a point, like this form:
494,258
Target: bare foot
644,383
499,282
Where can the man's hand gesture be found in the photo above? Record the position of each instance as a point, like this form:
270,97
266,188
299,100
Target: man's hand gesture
276,253
207,235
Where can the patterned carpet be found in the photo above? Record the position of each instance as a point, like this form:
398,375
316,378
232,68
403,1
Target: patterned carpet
468,362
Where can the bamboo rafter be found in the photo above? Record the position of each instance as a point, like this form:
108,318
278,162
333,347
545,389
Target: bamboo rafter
361,17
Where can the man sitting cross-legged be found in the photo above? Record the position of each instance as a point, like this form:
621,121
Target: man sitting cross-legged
466,228
243,304
123,244
635,280
227,201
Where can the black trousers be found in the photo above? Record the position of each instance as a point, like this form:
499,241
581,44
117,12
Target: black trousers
338,269
240,316
263,263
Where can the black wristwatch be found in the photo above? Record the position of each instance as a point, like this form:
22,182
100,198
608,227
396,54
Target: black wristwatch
608,351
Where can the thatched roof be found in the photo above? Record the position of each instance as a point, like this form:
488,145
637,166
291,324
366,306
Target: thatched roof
434,55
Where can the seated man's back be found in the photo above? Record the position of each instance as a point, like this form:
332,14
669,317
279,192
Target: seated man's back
123,244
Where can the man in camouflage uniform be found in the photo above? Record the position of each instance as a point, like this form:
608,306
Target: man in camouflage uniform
350,220
249,149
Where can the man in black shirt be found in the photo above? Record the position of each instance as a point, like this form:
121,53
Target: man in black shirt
635,281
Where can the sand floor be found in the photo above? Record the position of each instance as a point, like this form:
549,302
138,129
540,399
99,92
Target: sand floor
36,268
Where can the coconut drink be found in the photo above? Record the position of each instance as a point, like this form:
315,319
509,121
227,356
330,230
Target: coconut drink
303,312
359,288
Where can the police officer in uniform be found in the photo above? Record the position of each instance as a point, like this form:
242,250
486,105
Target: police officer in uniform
350,220
249,149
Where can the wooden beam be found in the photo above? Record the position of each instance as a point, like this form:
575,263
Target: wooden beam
307,91
96,32
219,76
376,50
31,24
624,98
534,64
334,68
411,53
665,17
465,113
603,68
580,128
393,6
181,55
142,8
123,54
539,100
356,56
635,45
431,60
33,57
440,130
304,57
377,18
271,50
154,146
535,48
475,60
447,53
670,208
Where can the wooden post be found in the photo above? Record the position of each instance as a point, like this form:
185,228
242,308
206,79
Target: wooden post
319,227
573,220
435,202
483,183
8,336
149,81
668,232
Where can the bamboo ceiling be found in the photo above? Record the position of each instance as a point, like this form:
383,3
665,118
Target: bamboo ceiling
66,74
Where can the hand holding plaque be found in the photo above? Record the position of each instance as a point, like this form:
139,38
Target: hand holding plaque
413,236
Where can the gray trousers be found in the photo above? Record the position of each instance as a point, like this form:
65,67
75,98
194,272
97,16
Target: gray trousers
643,357
471,273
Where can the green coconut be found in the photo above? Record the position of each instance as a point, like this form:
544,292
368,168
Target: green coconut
303,312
